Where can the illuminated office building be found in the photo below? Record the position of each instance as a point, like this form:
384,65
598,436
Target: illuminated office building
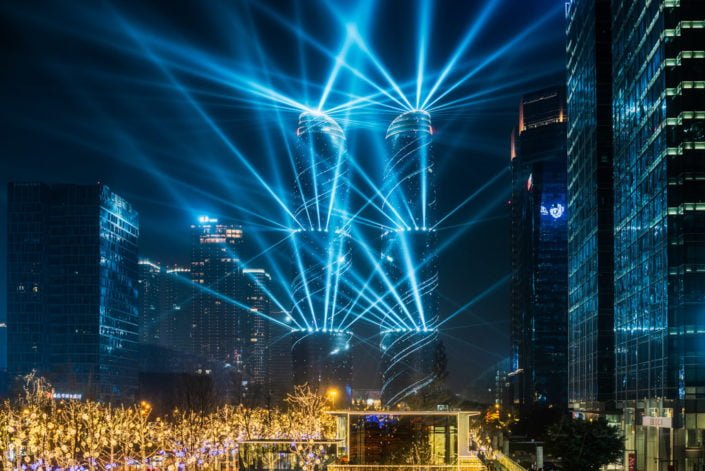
658,57
218,332
539,292
72,304
591,202
321,245
409,259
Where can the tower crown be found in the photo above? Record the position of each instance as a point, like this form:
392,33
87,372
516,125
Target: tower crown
317,122
411,121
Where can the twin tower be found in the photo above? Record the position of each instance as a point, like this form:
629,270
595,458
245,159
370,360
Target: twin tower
327,290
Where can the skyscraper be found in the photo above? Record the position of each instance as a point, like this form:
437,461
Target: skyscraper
151,280
409,338
73,309
280,358
166,318
177,296
257,286
659,217
539,303
590,203
322,253
323,360
218,292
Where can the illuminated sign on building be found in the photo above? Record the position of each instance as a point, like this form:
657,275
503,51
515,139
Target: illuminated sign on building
555,211
72,396
660,422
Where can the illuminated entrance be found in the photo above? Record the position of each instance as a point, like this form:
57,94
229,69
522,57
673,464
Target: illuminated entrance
413,438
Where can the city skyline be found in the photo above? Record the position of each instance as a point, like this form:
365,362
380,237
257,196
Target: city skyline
319,234
171,191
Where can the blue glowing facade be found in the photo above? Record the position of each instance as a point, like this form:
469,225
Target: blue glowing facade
409,185
591,202
539,302
73,312
408,360
409,259
321,245
659,213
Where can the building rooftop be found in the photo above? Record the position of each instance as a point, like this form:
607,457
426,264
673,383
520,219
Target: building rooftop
317,122
414,121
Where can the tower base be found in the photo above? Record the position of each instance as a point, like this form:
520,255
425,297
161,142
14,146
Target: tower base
323,360
408,358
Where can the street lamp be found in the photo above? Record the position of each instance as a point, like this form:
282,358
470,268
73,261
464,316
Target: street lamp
332,394
145,408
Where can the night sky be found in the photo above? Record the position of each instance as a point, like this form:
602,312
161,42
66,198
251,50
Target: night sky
145,97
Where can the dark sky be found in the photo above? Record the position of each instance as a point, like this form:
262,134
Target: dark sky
144,95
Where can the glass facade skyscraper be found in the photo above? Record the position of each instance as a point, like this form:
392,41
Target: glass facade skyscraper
322,253
409,259
321,243
658,49
539,303
591,216
73,310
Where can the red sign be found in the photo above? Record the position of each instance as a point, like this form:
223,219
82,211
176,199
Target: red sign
631,461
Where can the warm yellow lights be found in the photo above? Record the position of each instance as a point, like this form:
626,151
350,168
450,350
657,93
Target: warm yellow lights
73,434
332,394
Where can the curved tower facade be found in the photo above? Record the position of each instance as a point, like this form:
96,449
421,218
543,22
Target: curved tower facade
321,254
323,360
409,338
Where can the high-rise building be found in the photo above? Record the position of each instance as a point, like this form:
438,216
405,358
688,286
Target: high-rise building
322,253
590,203
151,281
177,298
217,333
165,305
659,216
73,309
258,284
539,300
280,358
166,318
323,361
409,337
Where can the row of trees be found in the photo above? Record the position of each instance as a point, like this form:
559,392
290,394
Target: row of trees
574,443
39,432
